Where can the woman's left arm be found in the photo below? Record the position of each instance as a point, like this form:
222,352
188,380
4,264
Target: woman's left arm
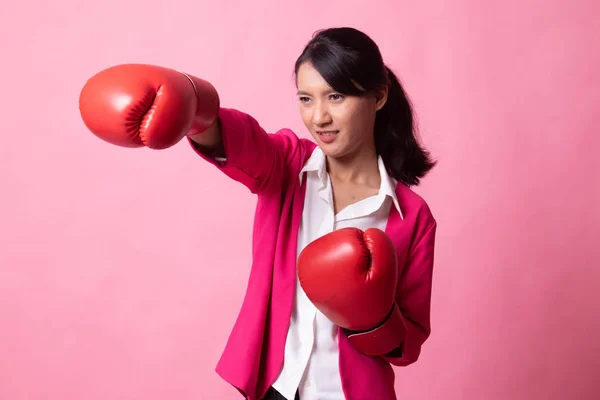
413,298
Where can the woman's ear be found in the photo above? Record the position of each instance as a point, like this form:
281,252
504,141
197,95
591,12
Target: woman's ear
381,96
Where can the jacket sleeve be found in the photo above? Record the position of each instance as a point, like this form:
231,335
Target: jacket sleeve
414,299
252,156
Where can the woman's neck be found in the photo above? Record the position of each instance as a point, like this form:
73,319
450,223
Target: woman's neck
361,169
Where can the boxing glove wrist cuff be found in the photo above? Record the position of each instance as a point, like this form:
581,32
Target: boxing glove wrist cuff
208,104
381,340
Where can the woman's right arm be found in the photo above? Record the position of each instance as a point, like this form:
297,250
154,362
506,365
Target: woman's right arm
240,148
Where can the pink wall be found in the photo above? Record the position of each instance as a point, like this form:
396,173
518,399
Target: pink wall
113,287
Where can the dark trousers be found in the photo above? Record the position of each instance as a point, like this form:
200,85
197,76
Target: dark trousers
273,394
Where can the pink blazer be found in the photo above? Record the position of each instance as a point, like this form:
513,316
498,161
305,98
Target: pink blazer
269,166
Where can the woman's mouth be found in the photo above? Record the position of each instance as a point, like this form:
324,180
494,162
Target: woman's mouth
327,136
327,133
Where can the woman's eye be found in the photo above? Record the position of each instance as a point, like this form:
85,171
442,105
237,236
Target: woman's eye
335,96
303,99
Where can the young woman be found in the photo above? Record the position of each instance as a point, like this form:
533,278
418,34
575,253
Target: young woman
340,285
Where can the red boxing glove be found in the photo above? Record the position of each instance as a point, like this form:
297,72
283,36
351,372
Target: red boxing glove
351,278
136,105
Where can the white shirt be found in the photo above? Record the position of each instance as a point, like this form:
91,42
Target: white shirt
311,348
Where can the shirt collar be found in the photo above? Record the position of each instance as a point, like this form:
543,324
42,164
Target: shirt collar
316,163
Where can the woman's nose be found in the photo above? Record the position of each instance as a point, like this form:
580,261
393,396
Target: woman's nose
321,114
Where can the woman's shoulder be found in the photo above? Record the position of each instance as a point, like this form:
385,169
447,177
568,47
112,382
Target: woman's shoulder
413,205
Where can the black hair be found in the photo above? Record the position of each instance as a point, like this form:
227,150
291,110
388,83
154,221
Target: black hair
351,63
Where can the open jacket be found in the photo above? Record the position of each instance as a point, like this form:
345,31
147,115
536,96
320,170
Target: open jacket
269,166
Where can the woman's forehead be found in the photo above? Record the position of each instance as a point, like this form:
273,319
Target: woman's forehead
310,80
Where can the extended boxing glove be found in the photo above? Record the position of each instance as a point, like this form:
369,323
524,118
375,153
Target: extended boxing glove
351,277
136,105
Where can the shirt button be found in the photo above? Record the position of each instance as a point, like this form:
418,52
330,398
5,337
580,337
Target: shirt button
307,384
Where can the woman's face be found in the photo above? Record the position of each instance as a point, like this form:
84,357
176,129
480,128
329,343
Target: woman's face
341,125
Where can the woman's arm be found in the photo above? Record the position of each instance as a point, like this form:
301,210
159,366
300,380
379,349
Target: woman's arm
236,144
239,147
414,299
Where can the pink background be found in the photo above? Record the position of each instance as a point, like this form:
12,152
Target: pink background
113,286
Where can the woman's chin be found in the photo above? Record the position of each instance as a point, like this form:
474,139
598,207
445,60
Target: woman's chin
333,152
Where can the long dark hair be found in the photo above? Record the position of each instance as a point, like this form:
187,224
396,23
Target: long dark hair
351,63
